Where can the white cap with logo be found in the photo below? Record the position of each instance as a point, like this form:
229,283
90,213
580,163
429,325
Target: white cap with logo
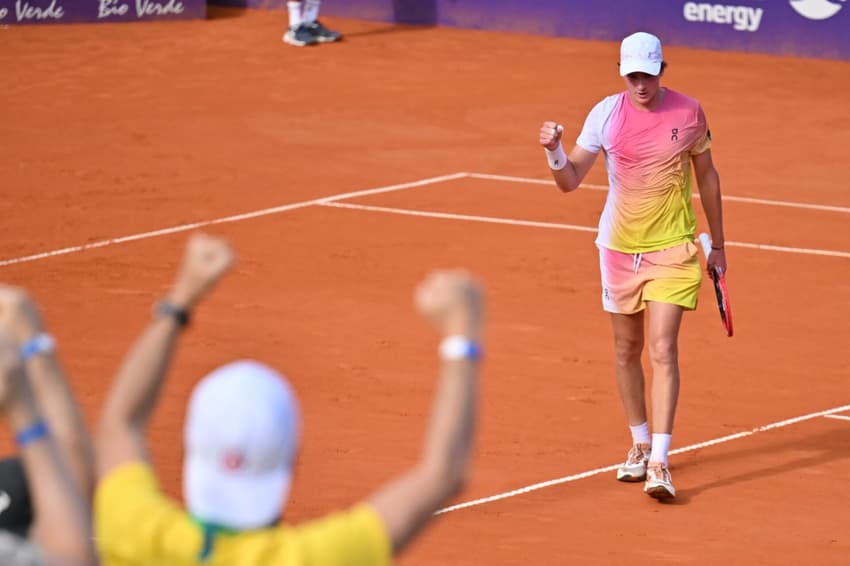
640,53
241,436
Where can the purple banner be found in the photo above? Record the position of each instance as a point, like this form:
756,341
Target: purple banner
808,28
67,11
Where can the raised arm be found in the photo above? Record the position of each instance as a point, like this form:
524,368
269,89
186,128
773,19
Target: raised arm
136,387
20,317
568,172
708,181
452,301
62,526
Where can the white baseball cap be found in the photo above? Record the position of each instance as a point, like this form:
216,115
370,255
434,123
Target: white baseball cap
241,435
640,53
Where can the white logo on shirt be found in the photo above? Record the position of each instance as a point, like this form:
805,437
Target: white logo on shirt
816,9
742,18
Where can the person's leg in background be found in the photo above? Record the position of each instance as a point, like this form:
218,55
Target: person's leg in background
304,25
297,33
311,20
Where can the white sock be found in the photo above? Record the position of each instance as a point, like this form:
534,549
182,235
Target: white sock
640,433
311,11
295,18
660,447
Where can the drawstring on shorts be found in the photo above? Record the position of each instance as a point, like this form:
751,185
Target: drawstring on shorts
636,259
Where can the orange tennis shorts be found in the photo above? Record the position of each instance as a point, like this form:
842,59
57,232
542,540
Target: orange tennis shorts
672,275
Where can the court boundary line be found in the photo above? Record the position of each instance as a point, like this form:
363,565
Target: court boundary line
597,471
233,218
730,198
839,417
560,226
402,186
470,217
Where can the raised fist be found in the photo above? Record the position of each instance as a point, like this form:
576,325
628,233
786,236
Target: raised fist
452,301
19,316
550,135
206,259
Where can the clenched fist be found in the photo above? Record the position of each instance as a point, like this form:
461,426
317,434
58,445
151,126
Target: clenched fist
19,316
550,135
452,301
206,259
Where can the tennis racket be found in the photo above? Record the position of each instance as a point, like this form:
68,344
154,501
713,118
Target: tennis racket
719,287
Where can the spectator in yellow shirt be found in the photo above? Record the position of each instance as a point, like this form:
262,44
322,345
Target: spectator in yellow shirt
241,438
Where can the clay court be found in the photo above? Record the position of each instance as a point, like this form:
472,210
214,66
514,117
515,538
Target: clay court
343,173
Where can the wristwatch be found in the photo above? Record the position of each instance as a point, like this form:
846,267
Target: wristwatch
41,343
166,308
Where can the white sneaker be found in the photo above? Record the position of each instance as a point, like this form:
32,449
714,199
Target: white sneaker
659,484
634,468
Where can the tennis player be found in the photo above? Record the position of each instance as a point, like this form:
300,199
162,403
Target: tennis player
241,439
651,135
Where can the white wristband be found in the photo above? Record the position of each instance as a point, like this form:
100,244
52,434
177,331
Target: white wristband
557,158
459,348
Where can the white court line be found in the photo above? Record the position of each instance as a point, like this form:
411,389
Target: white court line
841,417
597,471
396,187
470,217
786,249
234,218
529,180
558,226
731,198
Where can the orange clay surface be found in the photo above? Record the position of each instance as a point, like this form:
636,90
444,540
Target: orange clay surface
116,130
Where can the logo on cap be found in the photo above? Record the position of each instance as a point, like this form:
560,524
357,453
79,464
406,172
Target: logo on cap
233,461
816,9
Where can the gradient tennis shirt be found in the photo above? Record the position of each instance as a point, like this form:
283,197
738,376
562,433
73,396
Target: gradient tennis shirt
647,155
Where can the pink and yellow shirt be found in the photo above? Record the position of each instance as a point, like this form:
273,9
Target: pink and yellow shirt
647,155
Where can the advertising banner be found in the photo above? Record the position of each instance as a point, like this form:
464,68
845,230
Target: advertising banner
807,28
68,11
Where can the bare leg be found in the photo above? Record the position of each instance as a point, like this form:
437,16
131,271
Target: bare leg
628,345
664,323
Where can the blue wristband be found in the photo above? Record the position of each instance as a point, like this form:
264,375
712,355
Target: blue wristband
32,433
41,343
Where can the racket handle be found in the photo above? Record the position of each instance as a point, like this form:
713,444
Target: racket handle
705,240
